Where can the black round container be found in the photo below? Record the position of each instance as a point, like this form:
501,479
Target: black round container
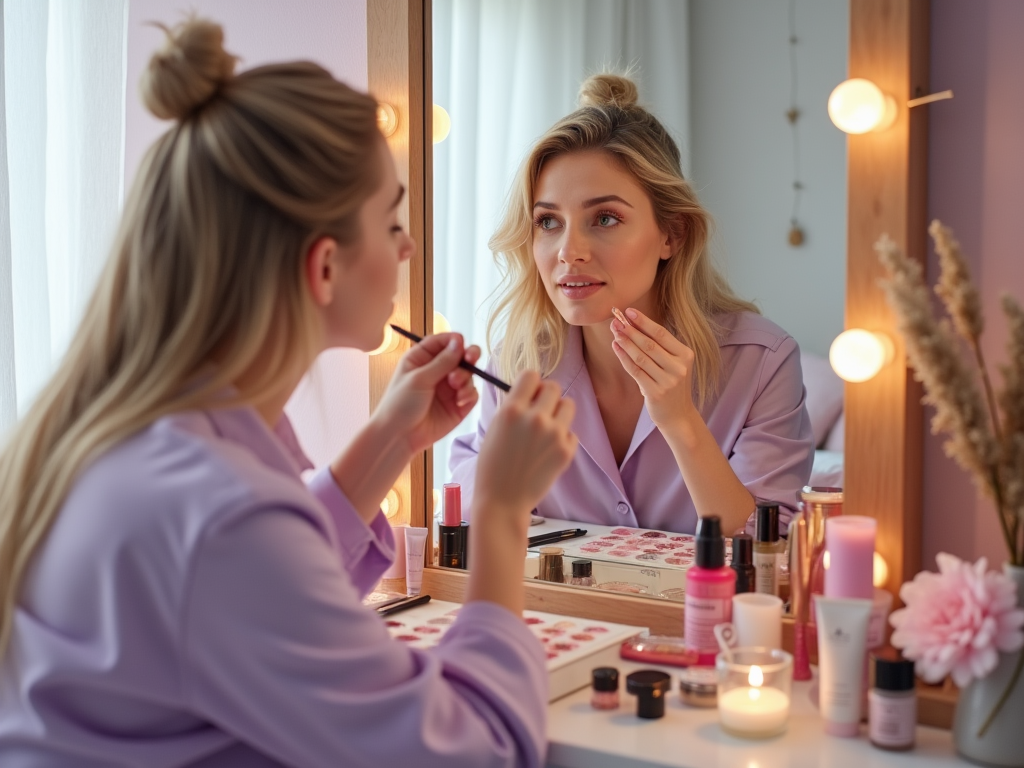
650,688
605,679
743,562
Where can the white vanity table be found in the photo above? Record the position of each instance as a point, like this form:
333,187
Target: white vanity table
689,737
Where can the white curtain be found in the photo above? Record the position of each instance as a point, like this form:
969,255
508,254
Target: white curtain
61,177
506,70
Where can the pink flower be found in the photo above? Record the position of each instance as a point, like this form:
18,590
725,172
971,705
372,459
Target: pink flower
958,620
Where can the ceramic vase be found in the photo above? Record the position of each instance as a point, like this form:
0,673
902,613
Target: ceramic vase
1002,742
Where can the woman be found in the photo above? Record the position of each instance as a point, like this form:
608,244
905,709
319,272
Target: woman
172,594
695,405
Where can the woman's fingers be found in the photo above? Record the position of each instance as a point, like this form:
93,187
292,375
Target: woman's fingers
637,363
658,334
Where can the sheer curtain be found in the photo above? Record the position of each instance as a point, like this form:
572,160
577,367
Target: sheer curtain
506,70
61,169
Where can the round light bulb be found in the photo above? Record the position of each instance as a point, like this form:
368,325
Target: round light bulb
391,504
442,124
880,570
387,119
388,344
857,355
441,324
860,106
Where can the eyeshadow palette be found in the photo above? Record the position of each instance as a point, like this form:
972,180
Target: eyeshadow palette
573,646
638,547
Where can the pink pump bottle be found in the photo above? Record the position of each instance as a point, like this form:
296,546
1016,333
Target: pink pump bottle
710,586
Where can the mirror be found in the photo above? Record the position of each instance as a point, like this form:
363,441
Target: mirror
723,76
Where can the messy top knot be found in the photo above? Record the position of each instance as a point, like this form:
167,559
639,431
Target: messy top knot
188,71
607,90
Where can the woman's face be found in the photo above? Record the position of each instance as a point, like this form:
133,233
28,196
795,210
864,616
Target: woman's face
369,267
596,241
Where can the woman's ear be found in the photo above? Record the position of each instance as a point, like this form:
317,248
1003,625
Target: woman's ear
673,238
321,270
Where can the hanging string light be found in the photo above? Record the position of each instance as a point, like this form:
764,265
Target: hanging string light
796,233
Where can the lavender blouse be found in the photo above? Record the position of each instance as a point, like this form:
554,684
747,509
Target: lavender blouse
758,419
195,604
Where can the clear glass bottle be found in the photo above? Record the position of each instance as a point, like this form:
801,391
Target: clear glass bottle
768,547
892,703
582,574
605,682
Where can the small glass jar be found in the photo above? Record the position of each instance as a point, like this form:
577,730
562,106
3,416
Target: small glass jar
582,574
892,702
698,687
605,684
754,690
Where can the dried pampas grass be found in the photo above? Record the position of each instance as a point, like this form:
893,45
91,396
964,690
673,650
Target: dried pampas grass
988,446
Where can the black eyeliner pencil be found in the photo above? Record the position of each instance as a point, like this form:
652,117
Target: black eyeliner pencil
410,602
462,363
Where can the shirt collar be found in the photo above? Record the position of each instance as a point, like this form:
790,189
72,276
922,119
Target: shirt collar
278,448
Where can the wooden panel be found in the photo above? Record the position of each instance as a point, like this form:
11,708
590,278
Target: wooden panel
398,72
887,180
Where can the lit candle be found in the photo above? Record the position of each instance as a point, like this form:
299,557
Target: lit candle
850,540
753,711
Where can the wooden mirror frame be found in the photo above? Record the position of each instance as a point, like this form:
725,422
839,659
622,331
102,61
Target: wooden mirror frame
886,193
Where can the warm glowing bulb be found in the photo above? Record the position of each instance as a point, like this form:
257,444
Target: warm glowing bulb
826,560
390,342
860,106
387,118
442,124
857,355
437,500
391,504
880,571
756,676
441,324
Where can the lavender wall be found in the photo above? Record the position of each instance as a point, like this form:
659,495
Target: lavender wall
334,401
976,186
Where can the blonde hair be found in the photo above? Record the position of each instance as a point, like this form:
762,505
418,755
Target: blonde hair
202,302
689,290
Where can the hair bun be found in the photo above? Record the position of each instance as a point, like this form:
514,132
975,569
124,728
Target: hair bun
608,90
188,71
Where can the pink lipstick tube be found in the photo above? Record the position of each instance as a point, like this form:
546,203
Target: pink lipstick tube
453,532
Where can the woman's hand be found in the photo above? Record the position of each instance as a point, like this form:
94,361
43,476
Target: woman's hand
661,365
429,395
528,445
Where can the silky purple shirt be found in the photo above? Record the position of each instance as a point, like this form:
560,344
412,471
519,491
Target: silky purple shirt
758,419
195,604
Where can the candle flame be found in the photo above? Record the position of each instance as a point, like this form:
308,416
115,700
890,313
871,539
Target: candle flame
756,677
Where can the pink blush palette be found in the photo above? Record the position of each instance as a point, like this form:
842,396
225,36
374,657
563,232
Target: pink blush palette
573,646
638,547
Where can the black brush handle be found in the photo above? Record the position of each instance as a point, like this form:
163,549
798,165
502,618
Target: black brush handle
462,363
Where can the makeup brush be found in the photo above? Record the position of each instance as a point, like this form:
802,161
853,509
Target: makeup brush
462,363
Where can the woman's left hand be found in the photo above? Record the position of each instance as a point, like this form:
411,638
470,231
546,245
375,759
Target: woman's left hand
429,394
662,366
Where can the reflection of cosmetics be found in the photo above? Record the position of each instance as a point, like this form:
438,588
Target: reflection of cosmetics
650,688
551,564
766,547
851,556
605,682
658,649
582,573
842,633
710,586
415,541
623,586
743,562
758,620
698,687
880,607
892,702
754,691
799,570
454,533
555,536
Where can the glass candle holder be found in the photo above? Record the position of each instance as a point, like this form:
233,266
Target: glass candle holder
754,690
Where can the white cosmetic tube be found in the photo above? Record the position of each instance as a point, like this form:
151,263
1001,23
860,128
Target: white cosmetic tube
842,641
415,541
